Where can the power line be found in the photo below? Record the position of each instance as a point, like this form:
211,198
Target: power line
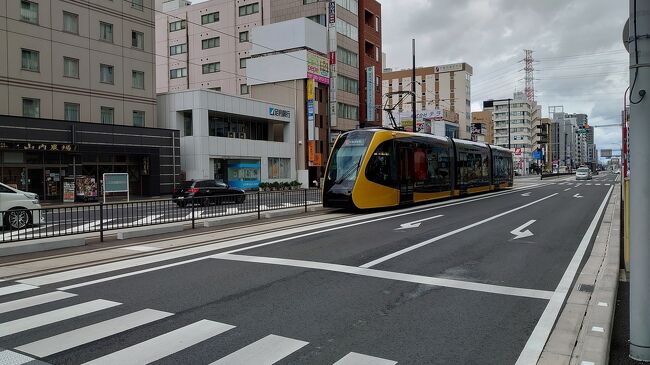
580,55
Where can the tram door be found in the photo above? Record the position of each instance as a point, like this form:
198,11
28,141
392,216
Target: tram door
406,173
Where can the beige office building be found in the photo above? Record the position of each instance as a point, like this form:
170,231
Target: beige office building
88,60
446,87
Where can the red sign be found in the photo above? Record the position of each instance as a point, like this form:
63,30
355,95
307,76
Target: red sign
518,151
332,58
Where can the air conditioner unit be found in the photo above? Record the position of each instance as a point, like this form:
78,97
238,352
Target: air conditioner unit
242,135
231,135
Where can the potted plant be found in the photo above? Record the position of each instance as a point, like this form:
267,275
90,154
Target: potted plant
295,185
275,185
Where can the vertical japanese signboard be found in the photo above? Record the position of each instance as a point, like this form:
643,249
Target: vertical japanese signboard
311,119
370,94
331,31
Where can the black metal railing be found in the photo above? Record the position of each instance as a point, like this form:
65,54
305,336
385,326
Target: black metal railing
100,217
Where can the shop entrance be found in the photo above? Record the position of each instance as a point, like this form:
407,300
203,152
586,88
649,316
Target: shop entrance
35,182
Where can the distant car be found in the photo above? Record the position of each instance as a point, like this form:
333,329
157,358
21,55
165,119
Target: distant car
17,208
206,192
583,173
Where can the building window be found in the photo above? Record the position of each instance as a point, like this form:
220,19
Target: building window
242,62
71,112
70,23
70,67
279,168
177,73
210,43
319,18
29,12
249,9
136,4
210,18
31,108
106,32
29,60
138,79
347,29
347,111
137,39
348,57
243,37
107,115
377,23
213,67
218,88
178,49
351,5
243,89
187,124
138,118
348,85
106,74
177,25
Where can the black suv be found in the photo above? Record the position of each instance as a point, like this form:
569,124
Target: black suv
206,192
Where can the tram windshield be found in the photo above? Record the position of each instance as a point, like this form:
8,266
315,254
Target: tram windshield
347,157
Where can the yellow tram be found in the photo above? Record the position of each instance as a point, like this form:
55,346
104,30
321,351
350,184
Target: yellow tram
377,167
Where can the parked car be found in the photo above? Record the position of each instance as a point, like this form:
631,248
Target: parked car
17,208
206,192
583,173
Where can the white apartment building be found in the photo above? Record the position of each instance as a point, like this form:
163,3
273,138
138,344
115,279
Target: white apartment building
78,61
206,45
524,119
446,87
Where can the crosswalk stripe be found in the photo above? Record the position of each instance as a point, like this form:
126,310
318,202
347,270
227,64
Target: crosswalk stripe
146,220
354,358
164,345
197,214
78,337
34,301
11,289
266,351
140,248
86,227
58,315
13,358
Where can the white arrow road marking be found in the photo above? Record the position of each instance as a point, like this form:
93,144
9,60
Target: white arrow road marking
415,224
521,234
578,196
526,194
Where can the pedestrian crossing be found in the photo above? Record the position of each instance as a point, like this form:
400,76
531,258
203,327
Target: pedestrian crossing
46,309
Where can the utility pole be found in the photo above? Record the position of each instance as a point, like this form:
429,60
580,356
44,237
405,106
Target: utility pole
639,47
413,87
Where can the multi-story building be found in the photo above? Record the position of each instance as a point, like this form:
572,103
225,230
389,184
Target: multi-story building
565,137
345,89
206,45
436,87
524,118
370,63
483,126
88,68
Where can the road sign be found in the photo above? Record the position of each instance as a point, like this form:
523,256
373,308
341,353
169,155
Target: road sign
538,155
518,151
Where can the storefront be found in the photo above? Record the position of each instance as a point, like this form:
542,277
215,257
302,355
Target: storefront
57,159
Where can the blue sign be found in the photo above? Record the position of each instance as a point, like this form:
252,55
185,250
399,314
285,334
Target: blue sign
538,155
370,95
279,112
311,120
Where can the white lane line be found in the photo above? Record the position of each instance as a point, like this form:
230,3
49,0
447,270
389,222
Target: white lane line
417,223
11,289
567,189
34,301
411,278
146,220
58,315
354,358
448,234
87,227
607,184
588,184
603,304
597,329
597,184
291,234
13,358
535,344
164,345
266,351
84,335
140,248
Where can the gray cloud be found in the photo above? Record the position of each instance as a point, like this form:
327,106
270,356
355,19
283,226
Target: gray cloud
491,35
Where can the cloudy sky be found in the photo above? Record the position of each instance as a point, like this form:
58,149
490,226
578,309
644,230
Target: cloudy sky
581,63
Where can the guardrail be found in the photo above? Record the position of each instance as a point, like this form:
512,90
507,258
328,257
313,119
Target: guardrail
100,217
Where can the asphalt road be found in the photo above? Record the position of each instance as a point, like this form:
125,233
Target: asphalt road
469,281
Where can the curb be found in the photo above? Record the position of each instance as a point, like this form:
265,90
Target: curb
43,244
582,334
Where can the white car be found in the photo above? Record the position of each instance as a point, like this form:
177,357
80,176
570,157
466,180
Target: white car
18,209
583,173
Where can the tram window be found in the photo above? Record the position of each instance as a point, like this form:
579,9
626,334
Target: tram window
421,166
380,168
